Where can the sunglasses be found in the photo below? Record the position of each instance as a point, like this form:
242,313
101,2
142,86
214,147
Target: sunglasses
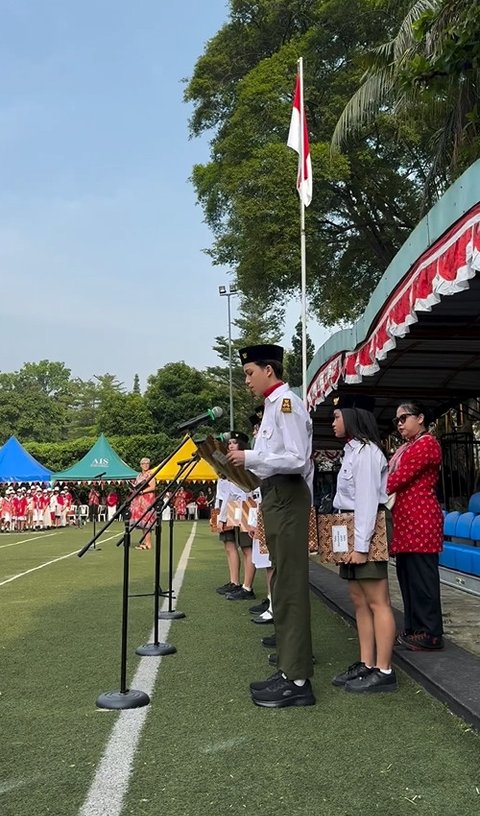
400,420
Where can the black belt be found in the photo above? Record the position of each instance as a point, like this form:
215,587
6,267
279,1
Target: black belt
280,478
338,510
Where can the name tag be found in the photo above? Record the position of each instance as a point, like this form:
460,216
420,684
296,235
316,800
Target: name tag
238,514
339,538
252,517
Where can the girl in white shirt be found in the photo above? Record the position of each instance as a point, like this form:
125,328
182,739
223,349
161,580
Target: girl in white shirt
234,539
361,486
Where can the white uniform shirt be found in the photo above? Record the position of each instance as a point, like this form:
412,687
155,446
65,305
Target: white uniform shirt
222,490
361,487
284,440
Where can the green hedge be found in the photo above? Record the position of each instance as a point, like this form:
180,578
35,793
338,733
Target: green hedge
61,455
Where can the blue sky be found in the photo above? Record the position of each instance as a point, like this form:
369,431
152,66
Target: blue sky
100,236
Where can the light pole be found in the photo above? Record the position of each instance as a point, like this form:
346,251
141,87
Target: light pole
222,291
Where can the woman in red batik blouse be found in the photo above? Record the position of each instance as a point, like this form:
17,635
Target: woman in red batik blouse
417,528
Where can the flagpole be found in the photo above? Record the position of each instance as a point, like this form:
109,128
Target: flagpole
303,250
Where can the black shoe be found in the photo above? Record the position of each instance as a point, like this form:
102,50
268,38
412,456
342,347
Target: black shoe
228,588
422,642
263,621
281,693
259,608
240,594
357,669
372,682
258,685
269,641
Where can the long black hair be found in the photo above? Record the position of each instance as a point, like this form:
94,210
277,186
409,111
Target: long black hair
362,425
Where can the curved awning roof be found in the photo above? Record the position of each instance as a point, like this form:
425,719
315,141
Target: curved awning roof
419,337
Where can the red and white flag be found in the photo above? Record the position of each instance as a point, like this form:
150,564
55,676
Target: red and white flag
304,179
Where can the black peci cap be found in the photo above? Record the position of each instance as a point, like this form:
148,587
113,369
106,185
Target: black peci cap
346,400
252,354
239,435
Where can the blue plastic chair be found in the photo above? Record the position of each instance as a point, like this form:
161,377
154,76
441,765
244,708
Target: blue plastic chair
447,556
464,525
450,523
475,530
474,503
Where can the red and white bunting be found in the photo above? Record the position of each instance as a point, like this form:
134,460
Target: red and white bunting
443,270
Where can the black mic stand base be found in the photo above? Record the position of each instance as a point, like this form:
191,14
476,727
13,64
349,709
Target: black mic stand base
118,700
173,615
155,649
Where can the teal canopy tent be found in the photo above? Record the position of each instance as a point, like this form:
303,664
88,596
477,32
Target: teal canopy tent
101,461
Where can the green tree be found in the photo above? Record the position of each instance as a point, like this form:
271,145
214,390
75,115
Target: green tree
255,325
178,392
136,385
365,201
82,414
34,401
428,72
293,357
124,415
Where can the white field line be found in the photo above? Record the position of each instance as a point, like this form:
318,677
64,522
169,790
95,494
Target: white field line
24,540
47,563
111,780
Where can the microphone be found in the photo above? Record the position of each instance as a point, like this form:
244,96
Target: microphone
224,437
212,414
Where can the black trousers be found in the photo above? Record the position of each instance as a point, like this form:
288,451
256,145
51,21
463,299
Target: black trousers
419,581
286,511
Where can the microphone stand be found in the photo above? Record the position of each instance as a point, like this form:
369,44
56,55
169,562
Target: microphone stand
124,698
156,648
186,467
171,613
94,514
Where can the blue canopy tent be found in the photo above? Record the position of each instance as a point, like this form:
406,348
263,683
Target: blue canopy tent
17,465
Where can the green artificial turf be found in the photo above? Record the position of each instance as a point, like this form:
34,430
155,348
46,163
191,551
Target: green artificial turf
60,648
205,748
208,750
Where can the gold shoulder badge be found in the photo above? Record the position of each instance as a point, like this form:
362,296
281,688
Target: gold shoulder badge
286,406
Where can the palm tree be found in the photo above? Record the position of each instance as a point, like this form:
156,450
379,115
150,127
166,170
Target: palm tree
429,70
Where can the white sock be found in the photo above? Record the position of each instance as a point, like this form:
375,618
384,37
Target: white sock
385,671
297,682
247,589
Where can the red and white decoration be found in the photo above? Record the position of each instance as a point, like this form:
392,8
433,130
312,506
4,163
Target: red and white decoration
442,270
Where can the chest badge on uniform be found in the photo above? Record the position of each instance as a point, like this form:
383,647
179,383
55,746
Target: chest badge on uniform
286,406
